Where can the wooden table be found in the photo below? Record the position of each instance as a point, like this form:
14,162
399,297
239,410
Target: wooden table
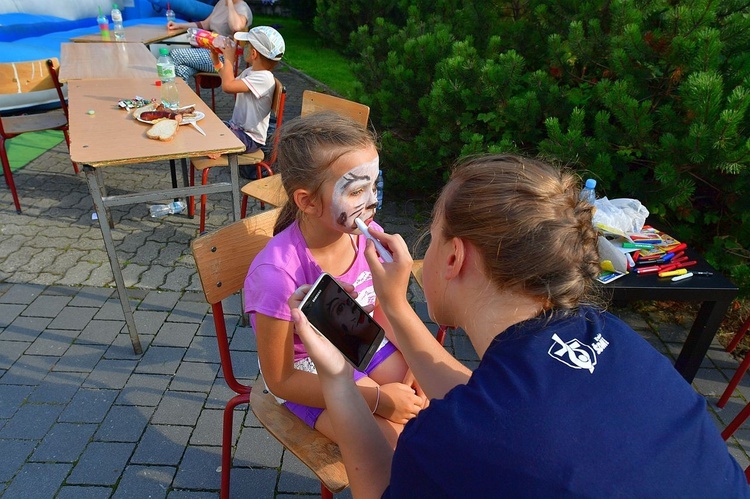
111,136
714,293
106,60
141,33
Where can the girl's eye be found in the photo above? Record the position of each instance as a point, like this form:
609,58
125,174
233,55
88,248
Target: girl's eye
357,192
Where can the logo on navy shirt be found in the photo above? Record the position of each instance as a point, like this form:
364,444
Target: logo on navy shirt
576,354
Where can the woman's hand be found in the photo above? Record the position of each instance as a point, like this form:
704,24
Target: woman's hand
172,25
398,402
390,280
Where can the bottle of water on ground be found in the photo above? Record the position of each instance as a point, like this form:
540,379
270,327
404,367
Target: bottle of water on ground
117,23
588,193
162,210
165,70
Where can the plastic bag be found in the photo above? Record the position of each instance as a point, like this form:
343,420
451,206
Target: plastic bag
627,215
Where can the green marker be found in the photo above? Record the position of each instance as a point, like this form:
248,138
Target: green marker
637,245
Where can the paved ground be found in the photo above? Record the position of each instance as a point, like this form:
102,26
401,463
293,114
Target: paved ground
81,416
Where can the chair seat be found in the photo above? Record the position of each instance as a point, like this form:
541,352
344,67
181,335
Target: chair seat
267,190
250,158
16,125
313,448
209,80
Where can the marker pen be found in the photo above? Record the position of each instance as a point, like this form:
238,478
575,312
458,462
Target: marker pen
647,270
384,253
682,265
637,245
673,273
683,276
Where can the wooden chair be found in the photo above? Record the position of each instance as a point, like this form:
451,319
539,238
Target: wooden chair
222,258
312,102
22,77
255,158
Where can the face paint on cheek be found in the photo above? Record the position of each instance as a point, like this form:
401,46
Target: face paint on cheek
346,207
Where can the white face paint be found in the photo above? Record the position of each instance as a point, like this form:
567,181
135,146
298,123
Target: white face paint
355,195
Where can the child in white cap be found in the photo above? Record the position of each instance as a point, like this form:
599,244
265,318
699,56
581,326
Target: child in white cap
254,87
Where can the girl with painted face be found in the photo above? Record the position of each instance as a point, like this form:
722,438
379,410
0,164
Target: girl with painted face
329,169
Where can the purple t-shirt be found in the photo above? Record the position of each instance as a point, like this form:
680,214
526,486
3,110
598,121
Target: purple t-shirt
284,265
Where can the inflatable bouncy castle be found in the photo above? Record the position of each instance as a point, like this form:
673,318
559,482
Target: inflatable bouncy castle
35,29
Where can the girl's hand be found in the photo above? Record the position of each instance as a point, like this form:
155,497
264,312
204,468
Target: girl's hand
299,294
398,402
390,280
328,360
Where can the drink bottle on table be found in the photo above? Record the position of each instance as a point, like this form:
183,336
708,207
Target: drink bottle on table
103,25
170,15
117,23
165,70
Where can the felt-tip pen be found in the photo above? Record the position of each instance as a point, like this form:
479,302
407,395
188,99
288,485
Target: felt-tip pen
384,253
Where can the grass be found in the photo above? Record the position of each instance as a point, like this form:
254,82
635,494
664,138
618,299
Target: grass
305,51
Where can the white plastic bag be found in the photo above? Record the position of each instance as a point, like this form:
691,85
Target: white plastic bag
627,215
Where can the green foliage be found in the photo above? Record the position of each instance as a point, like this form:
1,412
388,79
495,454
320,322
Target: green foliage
649,97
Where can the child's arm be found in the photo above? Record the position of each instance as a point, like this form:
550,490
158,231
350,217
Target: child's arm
229,83
276,353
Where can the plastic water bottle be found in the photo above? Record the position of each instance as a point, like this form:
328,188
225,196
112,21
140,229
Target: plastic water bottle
207,39
588,193
117,23
103,25
170,16
162,210
165,69
379,188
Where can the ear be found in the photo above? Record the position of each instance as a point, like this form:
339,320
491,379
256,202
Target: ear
306,202
456,258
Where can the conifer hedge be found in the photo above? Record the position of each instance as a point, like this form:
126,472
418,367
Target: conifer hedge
650,97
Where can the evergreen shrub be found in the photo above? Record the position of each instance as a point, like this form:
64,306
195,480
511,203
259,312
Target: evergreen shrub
650,97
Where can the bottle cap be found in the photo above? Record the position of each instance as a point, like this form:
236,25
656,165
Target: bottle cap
114,6
157,83
164,51
590,183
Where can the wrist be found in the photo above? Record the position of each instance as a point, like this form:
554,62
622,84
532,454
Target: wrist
218,66
377,401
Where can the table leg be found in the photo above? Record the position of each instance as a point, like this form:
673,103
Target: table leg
173,172
103,194
96,193
235,174
186,183
699,339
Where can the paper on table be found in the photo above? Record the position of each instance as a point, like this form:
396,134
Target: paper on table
608,251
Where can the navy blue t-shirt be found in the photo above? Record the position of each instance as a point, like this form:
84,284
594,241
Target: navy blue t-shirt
577,406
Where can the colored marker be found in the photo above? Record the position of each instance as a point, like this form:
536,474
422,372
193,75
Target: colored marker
671,273
703,273
681,277
637,245
384,253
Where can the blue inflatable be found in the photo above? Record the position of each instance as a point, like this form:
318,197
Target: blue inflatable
190,10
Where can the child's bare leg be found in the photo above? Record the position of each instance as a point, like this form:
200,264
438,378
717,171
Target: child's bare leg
392,370
390,429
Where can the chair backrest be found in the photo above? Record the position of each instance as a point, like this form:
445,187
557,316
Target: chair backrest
313,102
277,107
224,255
53,66
29,76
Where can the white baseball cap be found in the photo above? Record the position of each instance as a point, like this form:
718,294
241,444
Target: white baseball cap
265,40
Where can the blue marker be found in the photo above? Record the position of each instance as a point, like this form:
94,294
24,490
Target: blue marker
384,253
